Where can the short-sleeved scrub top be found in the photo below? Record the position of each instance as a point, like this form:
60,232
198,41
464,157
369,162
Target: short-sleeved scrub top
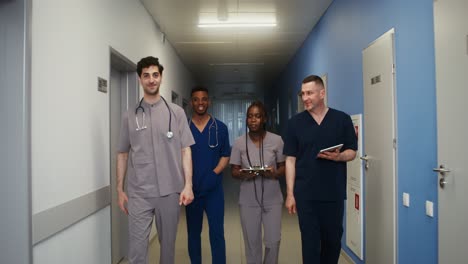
319,179
211,145
273,154
155,161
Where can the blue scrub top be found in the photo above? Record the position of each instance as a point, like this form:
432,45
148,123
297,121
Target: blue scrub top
206,155
319,179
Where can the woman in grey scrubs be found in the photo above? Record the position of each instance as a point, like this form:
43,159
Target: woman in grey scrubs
257,160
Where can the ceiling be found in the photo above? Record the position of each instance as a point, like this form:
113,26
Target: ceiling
237,61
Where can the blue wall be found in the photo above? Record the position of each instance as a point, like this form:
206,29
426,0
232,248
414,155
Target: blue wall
335,47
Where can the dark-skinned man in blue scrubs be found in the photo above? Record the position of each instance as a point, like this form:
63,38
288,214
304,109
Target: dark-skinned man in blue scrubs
316,182
210,156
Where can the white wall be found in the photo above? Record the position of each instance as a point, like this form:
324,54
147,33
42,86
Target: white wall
86,242
70,118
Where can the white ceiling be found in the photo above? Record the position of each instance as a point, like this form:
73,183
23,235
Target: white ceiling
236,60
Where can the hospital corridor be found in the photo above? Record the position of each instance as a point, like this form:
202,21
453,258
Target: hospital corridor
349,114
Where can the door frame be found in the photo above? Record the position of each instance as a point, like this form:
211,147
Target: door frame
394,149
126,67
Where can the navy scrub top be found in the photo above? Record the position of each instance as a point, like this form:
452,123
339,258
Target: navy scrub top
319,179
210,145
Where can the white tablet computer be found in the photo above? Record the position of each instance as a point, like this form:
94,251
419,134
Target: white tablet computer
256,169
333,148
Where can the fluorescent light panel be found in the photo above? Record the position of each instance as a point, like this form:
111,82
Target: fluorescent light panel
237,63
210,20
203,42
235,25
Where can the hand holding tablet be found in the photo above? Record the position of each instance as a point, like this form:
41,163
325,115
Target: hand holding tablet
256,169
333,148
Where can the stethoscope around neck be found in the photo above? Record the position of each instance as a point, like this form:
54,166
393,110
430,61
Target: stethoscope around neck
143,126
215,124
262,166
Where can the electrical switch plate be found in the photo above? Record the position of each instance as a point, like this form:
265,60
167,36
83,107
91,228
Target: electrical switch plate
406,199
429,208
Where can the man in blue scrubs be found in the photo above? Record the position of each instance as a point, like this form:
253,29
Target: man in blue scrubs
210,155
316,182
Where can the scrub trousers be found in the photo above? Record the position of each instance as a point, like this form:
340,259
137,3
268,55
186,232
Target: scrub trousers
252,218
213,204
321,225
166,211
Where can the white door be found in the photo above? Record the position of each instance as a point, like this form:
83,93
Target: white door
451,46
379,152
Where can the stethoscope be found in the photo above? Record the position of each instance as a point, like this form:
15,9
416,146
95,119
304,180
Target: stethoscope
169,133
213,122
262,166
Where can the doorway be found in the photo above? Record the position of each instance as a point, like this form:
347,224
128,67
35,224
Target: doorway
123,95
379,150
451,55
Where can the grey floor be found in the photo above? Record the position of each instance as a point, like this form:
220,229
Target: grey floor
290,249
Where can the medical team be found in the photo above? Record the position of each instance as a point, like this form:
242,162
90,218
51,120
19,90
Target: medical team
169,161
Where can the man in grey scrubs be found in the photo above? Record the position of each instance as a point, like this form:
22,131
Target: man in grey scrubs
155,142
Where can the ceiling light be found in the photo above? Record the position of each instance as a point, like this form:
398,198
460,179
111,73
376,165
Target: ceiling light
236,25
236,20
237,64
203,42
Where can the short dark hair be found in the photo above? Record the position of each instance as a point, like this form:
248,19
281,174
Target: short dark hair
148,62
199,88
313,78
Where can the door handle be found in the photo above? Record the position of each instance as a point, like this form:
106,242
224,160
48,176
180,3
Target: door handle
365,158
442,170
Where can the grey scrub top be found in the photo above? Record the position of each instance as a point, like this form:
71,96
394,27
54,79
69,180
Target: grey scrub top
155,161
273,154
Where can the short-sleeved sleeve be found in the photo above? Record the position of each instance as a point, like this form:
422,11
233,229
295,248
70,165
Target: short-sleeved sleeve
280,157
224,136
124,138
236,153
186,137
290,144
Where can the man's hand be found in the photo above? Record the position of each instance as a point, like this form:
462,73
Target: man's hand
123,201
345,156
330,155
186,196
290,204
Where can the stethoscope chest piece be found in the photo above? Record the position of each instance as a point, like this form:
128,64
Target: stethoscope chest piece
170,134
